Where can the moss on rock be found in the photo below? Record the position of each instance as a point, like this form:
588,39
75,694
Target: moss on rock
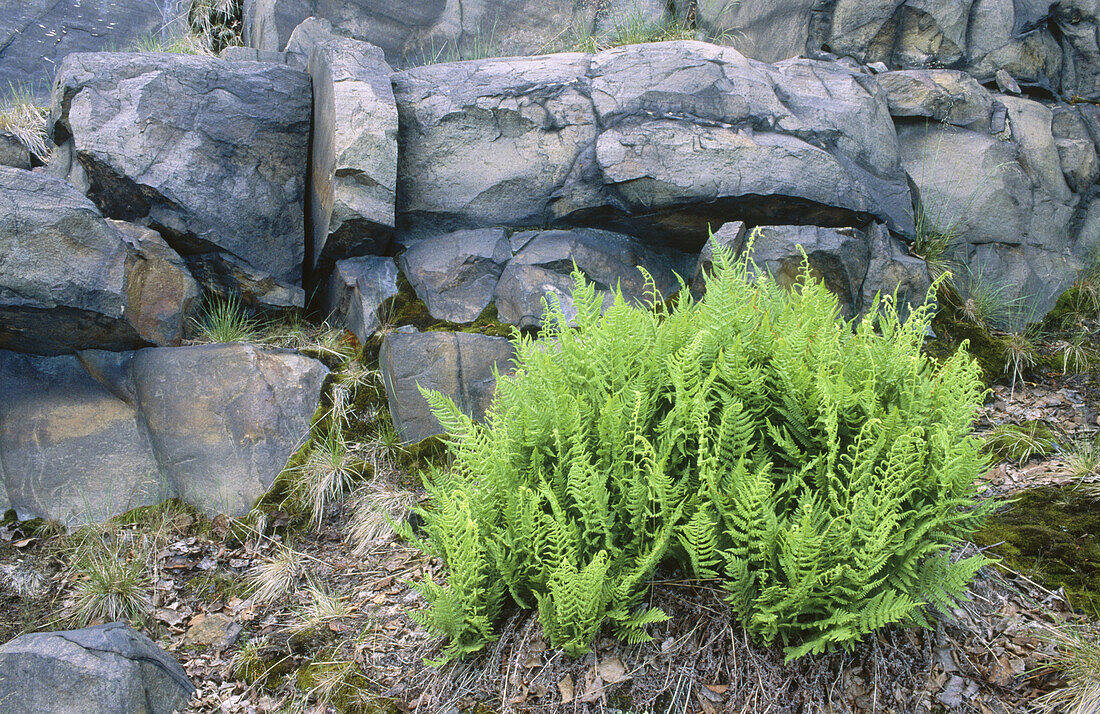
1051,535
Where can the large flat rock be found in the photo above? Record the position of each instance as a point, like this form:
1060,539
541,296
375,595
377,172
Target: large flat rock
84,437
659,140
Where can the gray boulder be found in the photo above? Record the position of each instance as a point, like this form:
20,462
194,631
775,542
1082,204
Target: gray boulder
693,134
942,95
455,274
355,291
35,35
160,292
71,280
109,669
72,442
458,364
84,437
492,142
544,264
224,419
210,153
13,153
354,152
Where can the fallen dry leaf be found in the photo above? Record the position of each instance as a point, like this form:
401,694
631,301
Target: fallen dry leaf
565,687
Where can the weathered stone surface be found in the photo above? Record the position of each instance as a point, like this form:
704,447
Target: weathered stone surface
693,134
1076,148
224,419
355,291
160,292
107,668
457,364
35,35
354,152
491,142
1049,44
210,153
1008,200
455,274
947,96
13,153
767,30
893,271
71,280
658,140
72,444
545,264
85,437
408,32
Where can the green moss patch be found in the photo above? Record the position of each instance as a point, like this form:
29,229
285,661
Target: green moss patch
1051,535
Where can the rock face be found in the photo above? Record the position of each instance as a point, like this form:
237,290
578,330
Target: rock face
458,364
87,436
656,140
1051,45
210,153
13,153
544,263
1009,197
107,668
71,280
354,152
355,291
410,32
455,274
35,35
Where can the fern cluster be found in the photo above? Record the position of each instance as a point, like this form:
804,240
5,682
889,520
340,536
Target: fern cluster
821,470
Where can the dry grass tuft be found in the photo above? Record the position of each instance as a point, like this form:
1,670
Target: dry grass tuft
1077,657
275,577
24,119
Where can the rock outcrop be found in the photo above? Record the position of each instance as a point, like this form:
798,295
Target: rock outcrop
87,436
110,669
355,291
656,140
71,280
210,153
